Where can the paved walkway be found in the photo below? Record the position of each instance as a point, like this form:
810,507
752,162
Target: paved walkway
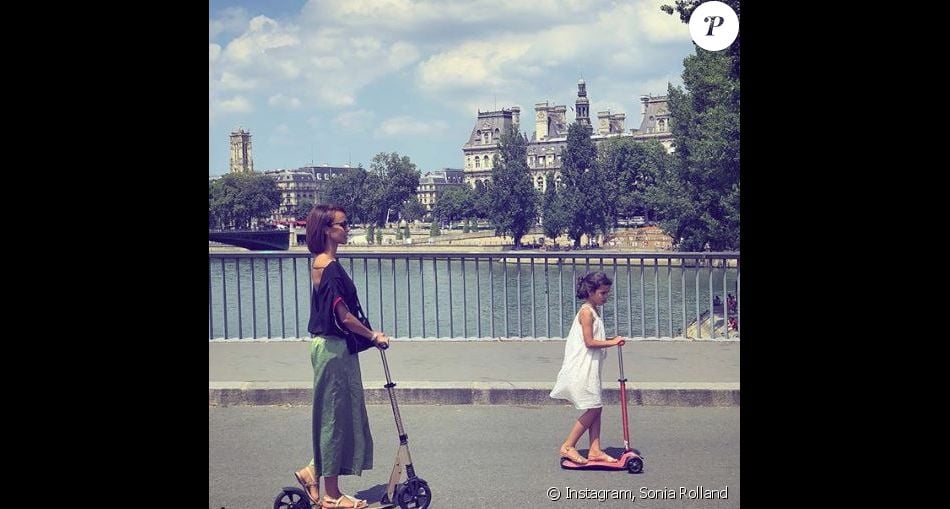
510,372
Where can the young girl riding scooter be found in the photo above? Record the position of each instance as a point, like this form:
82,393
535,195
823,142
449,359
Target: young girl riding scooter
579,380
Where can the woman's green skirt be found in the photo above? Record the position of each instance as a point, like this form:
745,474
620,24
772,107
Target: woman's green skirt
342,443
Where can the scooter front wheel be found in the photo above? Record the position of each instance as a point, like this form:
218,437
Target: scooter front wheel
414,494
292,498
634,465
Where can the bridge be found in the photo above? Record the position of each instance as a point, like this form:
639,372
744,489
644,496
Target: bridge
255,240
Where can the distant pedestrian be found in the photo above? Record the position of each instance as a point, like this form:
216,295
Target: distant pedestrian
342,443
579,380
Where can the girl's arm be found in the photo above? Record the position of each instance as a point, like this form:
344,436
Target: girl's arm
587,329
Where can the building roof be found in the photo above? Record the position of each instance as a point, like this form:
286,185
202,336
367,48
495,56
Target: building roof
657,107
495,121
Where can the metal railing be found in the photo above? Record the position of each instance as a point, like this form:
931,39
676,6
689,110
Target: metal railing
255,295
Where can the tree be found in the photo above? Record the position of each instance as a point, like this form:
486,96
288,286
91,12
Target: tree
553,217
514,198
584,194
412,209
302,210
370,234
635,168
454,203
397,181
482,200
699,196
237,198
349,190
434,229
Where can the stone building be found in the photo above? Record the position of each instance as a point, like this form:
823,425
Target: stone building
549,138
433,184
300,185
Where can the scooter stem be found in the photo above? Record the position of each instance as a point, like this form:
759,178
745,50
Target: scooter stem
392,397
623,400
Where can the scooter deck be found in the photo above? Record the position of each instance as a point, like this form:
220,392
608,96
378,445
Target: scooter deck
620,464
380,505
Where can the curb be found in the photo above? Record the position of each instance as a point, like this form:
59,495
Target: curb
477,393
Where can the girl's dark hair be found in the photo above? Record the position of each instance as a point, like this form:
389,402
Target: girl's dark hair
589,284
320,218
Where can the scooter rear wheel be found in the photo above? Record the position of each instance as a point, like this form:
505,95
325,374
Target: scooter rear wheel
414,494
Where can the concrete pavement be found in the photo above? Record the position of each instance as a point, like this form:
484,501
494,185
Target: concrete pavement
478,372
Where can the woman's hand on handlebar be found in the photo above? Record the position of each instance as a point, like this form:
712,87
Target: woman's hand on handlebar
381,340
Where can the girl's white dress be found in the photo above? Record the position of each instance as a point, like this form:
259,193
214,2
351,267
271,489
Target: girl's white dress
579,380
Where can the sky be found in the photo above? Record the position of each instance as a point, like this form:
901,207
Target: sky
337,81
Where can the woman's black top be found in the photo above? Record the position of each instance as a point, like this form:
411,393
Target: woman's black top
336,285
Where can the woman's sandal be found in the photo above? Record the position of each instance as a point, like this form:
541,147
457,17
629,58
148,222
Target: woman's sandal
307,483
335,504
571,453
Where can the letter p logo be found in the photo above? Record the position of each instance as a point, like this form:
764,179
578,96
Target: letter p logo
713,26
712,22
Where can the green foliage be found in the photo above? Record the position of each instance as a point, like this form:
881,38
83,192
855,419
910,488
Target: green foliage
697,198
236,198
434,229
634,168
349,190
379,236
465,227
481,200
514,199
412,210
584,196
396,181
455,203
398,234
553,213
302,210
370,230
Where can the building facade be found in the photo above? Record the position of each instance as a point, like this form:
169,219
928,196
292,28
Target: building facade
433,184
549,139
301,185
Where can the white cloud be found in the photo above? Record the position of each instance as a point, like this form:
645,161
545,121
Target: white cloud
356,120
409,126
230,81
236,104
472,65
264,38
283,101
315,64
214,51
425,17
658,25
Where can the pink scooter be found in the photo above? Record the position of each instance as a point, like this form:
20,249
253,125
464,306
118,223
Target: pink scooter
631,458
